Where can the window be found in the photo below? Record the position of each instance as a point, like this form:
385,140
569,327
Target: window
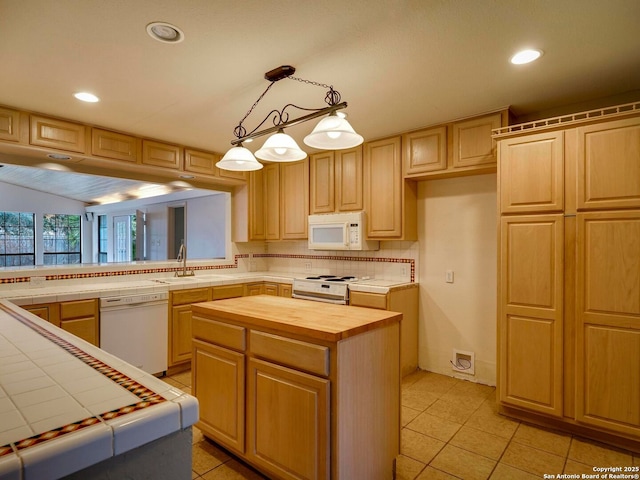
103,243
61,235
17,239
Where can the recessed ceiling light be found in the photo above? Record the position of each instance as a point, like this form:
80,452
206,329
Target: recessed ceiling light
526,56
187,176
165,32
86,97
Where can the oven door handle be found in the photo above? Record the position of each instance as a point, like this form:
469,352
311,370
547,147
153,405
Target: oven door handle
336,301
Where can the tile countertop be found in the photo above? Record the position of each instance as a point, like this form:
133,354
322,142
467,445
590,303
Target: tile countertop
80,290
65,404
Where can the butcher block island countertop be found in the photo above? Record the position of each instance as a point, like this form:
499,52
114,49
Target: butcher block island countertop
321,321
300,389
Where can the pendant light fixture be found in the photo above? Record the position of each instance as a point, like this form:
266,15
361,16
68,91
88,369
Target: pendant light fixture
332,133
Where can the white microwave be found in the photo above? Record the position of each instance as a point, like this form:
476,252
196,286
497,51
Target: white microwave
339,231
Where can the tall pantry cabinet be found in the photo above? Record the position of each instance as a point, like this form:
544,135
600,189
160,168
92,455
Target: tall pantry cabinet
569,274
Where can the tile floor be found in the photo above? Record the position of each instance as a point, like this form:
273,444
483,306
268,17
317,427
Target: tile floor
450,430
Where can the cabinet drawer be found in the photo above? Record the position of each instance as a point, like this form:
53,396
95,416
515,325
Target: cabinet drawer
227,291
294,353
223,334
369,300
189,296
77,309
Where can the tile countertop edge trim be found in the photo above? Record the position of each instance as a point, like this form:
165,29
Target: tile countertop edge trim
185,409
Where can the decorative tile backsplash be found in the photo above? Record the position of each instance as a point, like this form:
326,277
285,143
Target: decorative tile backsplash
394,261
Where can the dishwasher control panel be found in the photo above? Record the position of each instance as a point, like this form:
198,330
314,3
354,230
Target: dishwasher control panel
133,299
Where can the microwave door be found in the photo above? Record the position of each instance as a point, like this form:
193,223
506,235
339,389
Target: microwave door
329,236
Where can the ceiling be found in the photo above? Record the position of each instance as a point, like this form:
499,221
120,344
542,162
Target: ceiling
400,65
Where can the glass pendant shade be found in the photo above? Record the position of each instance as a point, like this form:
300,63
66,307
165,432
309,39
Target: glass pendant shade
333,133
280,147
239,159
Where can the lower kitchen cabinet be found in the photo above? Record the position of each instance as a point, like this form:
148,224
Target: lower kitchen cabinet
180,322
79,317
404,301
294,406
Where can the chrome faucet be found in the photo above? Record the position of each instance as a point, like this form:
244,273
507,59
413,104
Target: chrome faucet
182,257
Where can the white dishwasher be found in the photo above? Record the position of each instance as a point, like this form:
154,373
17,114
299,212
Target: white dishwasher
135,328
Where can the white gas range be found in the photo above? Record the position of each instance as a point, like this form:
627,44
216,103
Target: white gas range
325,288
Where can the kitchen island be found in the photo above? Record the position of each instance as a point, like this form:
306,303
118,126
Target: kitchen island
71,410
300,389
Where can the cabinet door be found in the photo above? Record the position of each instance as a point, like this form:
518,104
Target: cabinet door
114,145
322,183
531,312
200,162
383,188
272,201
294,200
218,384
180,334
532,173
48,132
253,289
257,204
348,179
271,289
284,290
85,328
161,154
609,165
472,141
9,124
287,421
425,151
608,318
80,317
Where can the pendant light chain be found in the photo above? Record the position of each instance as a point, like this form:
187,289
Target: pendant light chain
331,98
240,131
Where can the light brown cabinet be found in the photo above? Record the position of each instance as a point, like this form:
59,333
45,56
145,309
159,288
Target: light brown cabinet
158,154
569,288
80,317
279,201
404,301
9,124
389,200
58,134
267,288
180,322
335,180
116,146
464,147
295,406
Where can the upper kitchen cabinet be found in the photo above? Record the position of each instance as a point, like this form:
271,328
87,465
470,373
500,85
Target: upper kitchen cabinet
9,124
117,146
58,134
389,200
458,148
336,181
609,165
532,173
163,155
204,163
279,201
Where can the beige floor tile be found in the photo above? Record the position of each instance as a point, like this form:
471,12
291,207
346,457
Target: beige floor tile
206,456
466,390
418,446
431,473
532,460
506,472
597,455
417,399
183,377
233,470
173,383
480,442
194,475
552,442
407,414
463,464
577,468
434,427
435,384
487,419
407,468
412,378
197,434
455,411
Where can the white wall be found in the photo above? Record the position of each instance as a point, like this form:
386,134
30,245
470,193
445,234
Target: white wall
20,199
206,225
457,222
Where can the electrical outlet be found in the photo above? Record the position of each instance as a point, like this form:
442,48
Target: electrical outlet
37,281
307,266
253,266
449,276
404,270
464,362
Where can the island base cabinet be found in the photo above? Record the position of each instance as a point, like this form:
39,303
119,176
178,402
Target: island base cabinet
218,381
288,421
